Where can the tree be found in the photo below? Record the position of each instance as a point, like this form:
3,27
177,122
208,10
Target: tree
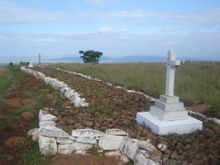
90,56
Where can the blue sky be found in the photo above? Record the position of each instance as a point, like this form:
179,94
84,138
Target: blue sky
58,28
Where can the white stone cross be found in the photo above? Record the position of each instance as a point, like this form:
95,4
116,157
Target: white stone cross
172,63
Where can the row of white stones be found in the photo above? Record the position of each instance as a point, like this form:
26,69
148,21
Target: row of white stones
152,99
54,140
109,84
66,91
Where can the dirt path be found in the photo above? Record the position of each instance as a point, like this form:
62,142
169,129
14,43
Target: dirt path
110,107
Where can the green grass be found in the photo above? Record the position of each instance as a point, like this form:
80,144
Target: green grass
196,83
4,127
93,151
32,156
6,78
28,108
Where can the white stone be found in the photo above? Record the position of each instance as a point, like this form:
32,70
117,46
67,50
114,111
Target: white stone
70,148
64,141
168,127
80,146
43,116
162,147
129,147
151,162
87,133
64,149
80,152
110,142
47,146
53,132
86,140
145,145
116,131
34,133
139,159
43,124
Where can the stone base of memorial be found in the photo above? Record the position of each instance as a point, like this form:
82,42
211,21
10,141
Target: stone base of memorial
168,116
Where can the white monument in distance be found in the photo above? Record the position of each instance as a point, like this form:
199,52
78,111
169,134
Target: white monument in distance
169,115
30,65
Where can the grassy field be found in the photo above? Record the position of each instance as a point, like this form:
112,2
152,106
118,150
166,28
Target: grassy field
196,83
6,78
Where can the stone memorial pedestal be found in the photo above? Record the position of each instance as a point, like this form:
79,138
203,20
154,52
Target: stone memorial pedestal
169,115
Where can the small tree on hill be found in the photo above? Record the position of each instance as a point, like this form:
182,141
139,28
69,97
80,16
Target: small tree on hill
90,56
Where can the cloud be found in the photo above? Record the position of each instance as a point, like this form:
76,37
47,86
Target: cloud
95,1
107,29
13,13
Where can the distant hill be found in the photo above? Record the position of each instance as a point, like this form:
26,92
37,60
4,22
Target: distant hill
105,59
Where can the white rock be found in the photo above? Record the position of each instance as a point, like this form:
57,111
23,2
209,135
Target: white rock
34,133
162,147
48,117
43,124
69,148
87,133
146,146
80,152
110,142
129,147
139,159
116,131
81,146
53,132
47,146
64,141
86,140
151,162
65,149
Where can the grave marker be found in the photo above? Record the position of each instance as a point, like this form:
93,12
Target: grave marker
169,115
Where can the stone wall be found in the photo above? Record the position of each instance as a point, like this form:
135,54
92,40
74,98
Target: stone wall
66,91
116,142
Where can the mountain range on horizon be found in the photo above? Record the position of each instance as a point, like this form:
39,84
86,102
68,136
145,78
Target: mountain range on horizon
103,59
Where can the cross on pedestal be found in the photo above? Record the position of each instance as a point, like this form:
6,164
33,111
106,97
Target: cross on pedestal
172,63
169,115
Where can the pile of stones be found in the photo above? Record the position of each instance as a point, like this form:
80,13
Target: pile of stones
53,140
66,91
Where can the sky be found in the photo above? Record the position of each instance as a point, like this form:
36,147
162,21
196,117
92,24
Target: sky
60,28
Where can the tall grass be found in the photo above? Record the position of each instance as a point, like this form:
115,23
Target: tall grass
5,78
196,82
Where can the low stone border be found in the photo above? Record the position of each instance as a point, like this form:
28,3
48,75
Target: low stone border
66,91
109,84
112,142
152,99
215,120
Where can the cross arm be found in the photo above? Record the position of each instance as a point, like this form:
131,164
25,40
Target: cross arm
174,63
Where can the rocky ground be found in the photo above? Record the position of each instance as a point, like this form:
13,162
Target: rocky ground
19,106
110,107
